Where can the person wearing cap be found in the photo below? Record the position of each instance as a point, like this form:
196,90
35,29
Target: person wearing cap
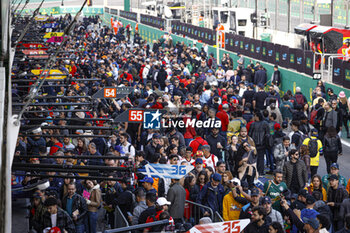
147,184
259,221
336,194
162,205
177,197
35,142
198,166
231,207
56,217
315,150
334,170
273,214
250,203
212,195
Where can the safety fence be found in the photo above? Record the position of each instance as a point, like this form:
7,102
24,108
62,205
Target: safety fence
290,78
139,226
201,34
128,15
152,21
195,211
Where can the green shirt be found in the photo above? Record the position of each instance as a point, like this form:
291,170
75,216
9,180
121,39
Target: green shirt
274,192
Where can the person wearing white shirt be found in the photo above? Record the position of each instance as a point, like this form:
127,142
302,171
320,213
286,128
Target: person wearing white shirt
127,147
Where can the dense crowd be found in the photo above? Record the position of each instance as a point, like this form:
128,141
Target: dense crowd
261,133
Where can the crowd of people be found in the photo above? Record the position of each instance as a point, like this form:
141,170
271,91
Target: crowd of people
261,133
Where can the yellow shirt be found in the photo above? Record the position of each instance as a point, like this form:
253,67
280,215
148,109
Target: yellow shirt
315,161
231,208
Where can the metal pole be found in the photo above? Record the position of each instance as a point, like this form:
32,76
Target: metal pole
301,11
347,14
276,14
256,23
289,15
332,13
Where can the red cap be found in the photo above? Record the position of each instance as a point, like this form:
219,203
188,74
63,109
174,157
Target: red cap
235,101
196,75
55,230
163,62
277,126
124,59
187,102
224,97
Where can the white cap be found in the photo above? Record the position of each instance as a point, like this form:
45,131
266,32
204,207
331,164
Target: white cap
37,130
236,180
162,201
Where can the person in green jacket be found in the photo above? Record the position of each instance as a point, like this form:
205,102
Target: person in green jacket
334,171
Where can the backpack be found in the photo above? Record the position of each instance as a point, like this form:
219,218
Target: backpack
313,117
300,99
313,147
302,137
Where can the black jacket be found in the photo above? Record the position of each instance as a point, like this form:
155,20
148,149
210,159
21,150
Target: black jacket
254,228
332,145
340,195
276,77
259,131
64,222
213,141
79,204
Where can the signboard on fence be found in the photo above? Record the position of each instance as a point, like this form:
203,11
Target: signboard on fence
235,226
38,71
48,35
35,53
165,170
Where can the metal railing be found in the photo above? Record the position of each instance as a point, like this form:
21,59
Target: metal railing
138,227
326,69
217,217
196,213
119,219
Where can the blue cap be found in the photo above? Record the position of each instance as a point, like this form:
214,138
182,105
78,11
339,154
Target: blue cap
210,71
313,222
119,149
334,165
314,132
266,200
217,177
260,85
199,160
255,192
147,180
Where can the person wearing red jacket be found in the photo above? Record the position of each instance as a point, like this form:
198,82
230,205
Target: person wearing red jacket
198,141
223,116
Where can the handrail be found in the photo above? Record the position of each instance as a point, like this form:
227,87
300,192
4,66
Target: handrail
219,217
330,65
139,226
202,206
116,218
